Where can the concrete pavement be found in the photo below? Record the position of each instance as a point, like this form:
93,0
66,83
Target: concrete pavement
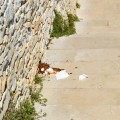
95,51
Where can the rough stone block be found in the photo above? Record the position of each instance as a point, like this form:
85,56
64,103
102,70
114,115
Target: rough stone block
9,14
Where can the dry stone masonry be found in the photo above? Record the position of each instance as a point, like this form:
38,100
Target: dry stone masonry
25,27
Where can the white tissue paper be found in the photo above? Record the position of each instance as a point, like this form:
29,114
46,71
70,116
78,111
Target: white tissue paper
61,75
83,77
49,70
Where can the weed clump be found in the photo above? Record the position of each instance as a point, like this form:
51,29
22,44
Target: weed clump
36,95
77,5
38,80
63,27
26,110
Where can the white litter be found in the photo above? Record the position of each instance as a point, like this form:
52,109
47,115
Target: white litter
46,72
49,70
83,77
62,75
42,69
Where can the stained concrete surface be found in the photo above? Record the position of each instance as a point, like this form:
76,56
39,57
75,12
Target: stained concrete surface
95,51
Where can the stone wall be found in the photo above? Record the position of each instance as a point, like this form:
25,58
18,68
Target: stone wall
25,27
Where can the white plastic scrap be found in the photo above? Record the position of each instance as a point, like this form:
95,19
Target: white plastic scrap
49,70
83,77
62,74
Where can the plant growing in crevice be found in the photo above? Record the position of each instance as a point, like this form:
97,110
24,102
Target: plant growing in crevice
77,5
71,20
38,80
58,25
36,96
63,27
26,110
35,92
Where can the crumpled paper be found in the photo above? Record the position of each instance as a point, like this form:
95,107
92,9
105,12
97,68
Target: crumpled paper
61,75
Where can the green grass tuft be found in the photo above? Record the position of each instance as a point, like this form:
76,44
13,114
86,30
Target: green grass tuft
38,80
26,111
63,27
77,5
